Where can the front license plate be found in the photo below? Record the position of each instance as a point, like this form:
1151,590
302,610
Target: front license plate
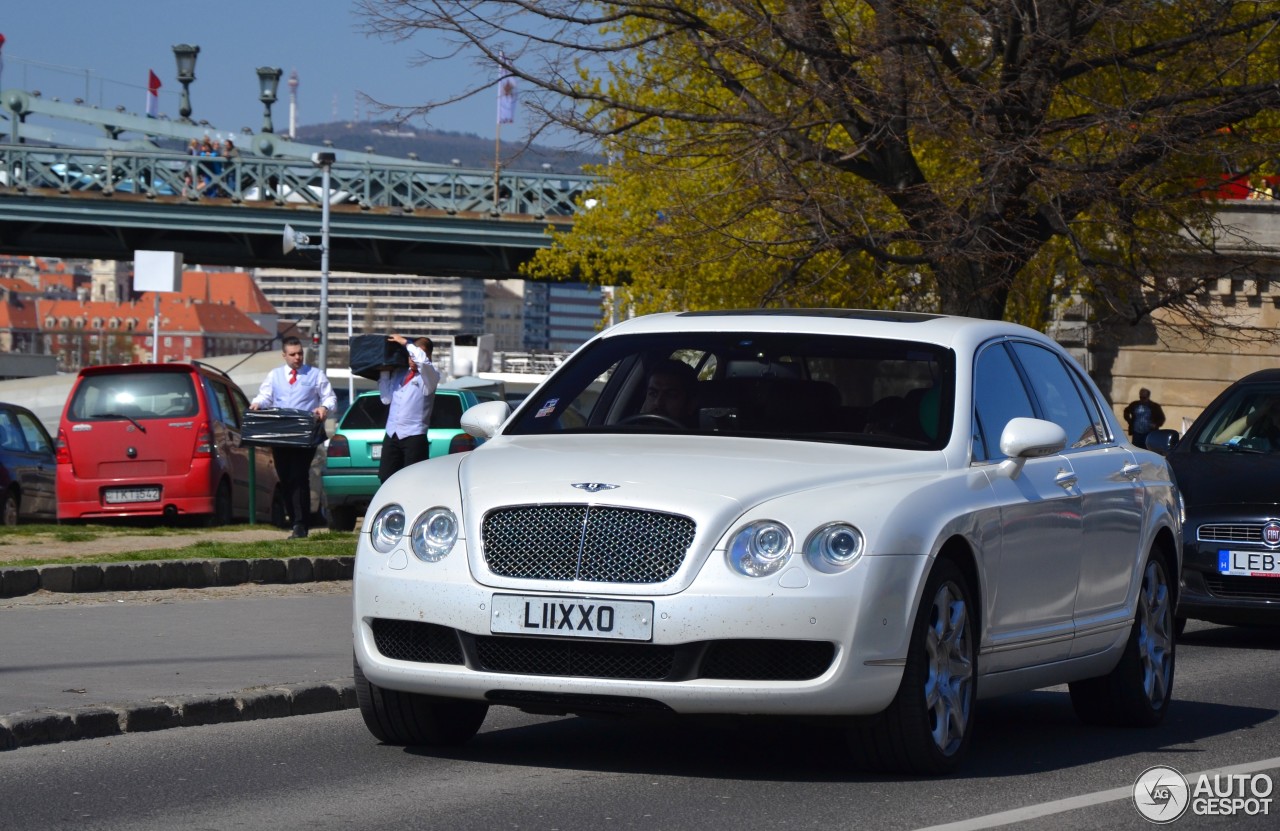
1249,563
572,617
375,451
116,496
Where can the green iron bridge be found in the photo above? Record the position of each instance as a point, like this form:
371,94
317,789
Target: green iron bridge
98,184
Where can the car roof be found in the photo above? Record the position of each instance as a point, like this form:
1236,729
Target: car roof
942,330
1262,376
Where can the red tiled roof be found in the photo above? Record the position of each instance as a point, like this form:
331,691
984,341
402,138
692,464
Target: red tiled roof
231,287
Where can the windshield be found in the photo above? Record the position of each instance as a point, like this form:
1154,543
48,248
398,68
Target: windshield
1247,420
783,386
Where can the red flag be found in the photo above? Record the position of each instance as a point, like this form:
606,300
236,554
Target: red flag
153,95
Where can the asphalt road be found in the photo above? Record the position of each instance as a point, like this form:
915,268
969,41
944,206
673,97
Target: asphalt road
1033,766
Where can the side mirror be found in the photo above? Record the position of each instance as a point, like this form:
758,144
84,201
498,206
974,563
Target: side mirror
1029,438
1162,441
484,420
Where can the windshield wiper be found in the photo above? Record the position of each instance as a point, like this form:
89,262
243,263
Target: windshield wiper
131,419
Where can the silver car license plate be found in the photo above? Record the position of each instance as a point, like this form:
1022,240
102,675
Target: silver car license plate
117,496
572,617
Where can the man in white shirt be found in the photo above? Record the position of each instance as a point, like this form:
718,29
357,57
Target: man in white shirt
295,386
409,393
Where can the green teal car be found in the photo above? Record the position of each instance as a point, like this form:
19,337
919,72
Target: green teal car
350,475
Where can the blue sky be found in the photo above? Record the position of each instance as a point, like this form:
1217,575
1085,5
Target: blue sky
101,51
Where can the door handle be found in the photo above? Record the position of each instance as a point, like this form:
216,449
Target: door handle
1066,479
1131,470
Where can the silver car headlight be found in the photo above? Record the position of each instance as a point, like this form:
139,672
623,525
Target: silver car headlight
434,534
834,547
387,528
760,549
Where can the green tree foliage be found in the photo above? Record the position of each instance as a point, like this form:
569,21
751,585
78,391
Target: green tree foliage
964,156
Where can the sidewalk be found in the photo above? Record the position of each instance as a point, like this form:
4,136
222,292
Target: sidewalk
208,643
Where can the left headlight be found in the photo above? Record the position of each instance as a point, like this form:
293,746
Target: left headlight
434,534
387,528
834,547
760,549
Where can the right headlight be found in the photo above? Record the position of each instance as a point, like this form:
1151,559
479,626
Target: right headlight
387,528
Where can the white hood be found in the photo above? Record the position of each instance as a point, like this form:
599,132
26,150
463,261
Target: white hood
688,475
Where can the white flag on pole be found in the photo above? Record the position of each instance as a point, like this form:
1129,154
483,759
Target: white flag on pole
506,92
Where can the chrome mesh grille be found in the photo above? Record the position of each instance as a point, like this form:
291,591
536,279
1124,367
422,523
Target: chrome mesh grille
1224,532
582,542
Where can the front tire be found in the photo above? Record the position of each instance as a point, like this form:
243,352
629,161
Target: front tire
402,718
928,726
1137,692
8,508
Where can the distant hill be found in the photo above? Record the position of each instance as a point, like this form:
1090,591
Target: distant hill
440,147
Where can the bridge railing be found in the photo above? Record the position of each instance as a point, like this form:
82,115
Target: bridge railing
407,187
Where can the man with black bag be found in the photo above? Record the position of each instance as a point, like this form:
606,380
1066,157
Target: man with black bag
296,386
409,393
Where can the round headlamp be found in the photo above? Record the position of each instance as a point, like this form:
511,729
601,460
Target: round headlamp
387,528
434,534
834,547
760,549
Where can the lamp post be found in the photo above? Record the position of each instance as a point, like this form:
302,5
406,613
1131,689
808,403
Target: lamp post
268,84
185,54
324,161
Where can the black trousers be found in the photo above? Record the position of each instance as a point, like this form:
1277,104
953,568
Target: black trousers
398,453
293,466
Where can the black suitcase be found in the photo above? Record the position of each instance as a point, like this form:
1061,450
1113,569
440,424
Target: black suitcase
370,354
281,428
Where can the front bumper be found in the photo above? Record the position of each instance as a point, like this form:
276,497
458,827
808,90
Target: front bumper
859,620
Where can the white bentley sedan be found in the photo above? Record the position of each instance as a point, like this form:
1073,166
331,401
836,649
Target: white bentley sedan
871,517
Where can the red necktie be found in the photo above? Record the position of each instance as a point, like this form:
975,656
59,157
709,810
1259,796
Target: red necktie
293,376
408,377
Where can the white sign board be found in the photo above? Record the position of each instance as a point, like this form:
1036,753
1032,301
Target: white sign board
157,271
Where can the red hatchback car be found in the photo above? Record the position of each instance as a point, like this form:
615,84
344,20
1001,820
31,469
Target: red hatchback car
160,440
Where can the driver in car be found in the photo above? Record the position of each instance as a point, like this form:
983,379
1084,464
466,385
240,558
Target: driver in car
670,392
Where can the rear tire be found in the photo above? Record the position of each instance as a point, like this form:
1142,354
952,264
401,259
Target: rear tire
401,718
221,505
928,726
1137,692
341,518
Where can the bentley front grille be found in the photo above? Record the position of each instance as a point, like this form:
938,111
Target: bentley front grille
584,542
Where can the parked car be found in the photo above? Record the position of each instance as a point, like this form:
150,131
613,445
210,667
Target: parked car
160,440
350,475
1228,471
868,517
27,468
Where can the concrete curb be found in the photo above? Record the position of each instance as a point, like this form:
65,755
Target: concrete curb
172,574
32,727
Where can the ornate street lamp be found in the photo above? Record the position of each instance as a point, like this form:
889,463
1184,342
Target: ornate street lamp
185,54
268,83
